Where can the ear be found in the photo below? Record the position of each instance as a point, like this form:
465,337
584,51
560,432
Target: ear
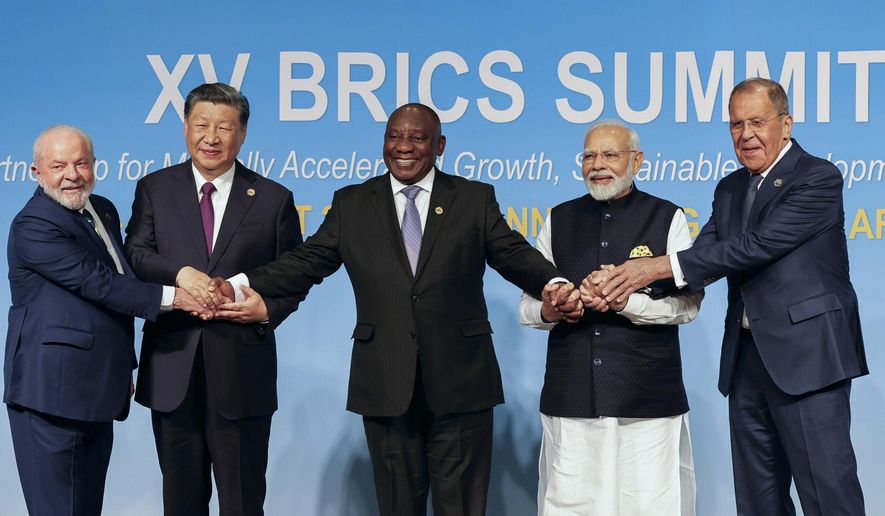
441,147
37,173
637,161
788,127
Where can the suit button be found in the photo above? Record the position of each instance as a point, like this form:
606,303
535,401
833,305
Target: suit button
414,299
597,332
411,334
597,361
604,243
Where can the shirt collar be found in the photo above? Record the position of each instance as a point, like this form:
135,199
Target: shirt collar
426,183
779,156
222,183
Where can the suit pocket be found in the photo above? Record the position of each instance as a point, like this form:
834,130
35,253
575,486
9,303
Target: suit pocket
247,228
363,332
474,327
813,307
64,335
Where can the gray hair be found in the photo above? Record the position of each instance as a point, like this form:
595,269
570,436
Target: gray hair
614,124
776,93
218,93
58,128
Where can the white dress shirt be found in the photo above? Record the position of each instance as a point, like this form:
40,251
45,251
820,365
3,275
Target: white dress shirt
640,308
223,184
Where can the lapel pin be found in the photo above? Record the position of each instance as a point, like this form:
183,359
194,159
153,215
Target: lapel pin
778,182
438,210
250,192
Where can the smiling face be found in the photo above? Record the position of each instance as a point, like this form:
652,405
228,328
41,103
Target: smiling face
63,167
214,136
757,149
607,180
412,141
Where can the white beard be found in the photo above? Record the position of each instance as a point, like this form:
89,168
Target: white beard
612,190
76,202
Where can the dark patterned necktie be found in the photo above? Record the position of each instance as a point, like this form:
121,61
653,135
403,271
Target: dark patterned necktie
90,219
749,197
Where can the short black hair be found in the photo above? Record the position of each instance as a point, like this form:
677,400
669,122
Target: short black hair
218,93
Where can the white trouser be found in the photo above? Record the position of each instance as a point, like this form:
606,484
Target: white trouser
616,467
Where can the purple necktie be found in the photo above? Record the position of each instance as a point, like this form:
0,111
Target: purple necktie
411,226
208,214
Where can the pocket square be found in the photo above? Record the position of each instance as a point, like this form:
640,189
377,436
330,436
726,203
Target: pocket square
640,251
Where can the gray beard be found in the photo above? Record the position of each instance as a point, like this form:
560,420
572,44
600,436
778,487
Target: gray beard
75,203
612,190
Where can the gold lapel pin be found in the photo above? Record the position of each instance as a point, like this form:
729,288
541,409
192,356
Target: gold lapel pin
778,182
250,192
438,210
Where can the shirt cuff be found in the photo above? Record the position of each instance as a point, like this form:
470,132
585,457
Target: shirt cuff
557,280
236,282
167,299
678,277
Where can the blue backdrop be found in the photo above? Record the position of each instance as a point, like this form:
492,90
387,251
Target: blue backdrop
516,83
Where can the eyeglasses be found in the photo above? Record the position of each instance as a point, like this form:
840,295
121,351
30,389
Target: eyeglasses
609,156
755,125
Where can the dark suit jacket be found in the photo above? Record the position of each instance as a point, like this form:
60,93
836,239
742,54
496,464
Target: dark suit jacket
790,271
164,234
69,349
440,314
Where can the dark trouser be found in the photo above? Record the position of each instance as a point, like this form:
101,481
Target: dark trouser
62,463
195,437
776,436
449,453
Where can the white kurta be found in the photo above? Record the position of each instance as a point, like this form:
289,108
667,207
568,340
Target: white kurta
611,466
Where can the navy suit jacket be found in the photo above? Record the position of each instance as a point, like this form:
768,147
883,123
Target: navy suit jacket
164,234
69,346
789,271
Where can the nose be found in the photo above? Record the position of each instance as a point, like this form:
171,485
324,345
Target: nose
746,133
211,135
404,146
71,173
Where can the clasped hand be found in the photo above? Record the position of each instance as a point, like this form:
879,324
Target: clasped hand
214,298
592,291
561,302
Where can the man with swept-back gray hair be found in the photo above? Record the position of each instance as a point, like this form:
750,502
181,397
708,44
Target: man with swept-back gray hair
613,406
69,346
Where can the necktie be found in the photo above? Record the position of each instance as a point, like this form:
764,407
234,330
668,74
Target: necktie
90,219
749,197
208,214
412,226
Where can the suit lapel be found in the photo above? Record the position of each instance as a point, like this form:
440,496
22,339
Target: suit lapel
737,202
111,224
382,201
441,199
184,196
778,180
238,203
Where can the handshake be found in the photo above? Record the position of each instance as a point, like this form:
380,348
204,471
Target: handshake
214,298
565,302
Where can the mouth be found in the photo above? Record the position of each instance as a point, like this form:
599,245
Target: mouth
405,163
751,151
210,153
601,178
